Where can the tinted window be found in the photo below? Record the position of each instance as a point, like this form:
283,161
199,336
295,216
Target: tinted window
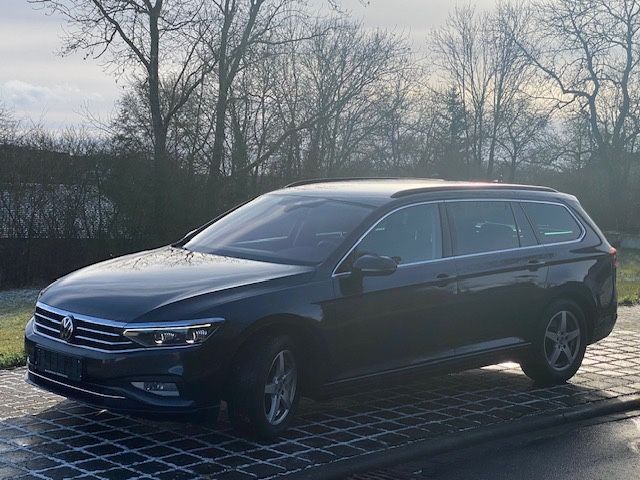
409,235
553,223
482,227
286,228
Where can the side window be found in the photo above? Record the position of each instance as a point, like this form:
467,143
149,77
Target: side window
482,227
409,235
553,223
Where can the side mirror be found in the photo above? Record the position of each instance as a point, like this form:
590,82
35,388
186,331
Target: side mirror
374,265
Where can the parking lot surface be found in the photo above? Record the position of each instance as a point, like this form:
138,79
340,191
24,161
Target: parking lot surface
45,436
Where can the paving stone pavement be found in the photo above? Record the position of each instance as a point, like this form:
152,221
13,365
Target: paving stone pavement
47,437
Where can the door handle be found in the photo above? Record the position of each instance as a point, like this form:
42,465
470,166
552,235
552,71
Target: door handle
535,263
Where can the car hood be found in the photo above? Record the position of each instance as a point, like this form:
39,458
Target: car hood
128,287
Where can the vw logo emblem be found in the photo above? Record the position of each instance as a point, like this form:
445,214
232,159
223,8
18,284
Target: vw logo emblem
66,328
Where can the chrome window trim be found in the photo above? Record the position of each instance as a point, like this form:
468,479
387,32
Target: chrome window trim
402,207
575,217
455,200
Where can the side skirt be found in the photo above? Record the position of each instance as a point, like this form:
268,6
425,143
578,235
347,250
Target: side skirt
431,368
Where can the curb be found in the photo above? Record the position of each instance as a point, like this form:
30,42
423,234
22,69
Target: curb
434,446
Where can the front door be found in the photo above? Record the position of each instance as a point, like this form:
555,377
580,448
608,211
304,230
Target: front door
391,322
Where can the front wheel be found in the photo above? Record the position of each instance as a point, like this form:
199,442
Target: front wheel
559,344
265,387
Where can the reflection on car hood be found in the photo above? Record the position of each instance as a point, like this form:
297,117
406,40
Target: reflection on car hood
127,287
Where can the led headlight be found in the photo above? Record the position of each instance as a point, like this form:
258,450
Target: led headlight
174,335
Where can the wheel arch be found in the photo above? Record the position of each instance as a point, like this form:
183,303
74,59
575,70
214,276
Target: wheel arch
307,336
581,296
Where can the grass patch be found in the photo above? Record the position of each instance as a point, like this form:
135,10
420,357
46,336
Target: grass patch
629,276
16,308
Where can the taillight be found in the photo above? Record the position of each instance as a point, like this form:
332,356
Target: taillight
614,257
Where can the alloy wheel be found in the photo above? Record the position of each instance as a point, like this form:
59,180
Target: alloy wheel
562,340
280,389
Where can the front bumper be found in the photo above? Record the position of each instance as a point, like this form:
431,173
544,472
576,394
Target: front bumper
107,377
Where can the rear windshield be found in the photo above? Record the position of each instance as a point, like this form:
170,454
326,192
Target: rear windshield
282,228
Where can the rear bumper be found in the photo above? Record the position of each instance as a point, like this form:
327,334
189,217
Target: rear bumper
604,324
107,377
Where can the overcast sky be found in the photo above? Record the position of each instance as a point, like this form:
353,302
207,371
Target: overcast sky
39,84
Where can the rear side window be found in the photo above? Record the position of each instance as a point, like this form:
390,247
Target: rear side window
482,227
552,223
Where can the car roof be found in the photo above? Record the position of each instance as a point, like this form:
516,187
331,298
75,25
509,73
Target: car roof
382,190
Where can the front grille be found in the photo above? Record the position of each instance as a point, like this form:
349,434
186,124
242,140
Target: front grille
87,333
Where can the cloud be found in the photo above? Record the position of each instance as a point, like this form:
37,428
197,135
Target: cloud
26,95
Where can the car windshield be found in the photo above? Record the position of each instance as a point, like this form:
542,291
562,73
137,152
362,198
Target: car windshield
282,228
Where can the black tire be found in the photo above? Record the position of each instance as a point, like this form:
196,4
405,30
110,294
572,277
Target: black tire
248,402
208,416
537,365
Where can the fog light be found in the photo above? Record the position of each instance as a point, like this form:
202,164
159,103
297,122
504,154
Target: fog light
163,389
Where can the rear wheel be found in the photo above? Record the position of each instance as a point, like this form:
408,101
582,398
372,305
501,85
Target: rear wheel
265,387
559,344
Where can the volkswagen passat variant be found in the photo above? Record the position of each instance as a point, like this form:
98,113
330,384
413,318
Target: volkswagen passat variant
326,283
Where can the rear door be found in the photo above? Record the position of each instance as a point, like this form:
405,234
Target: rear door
501,274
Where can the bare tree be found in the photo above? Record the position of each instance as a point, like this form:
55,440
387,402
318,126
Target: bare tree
244,26
345,73
523,130
304,109
479,53
509,69
589,50
464,56
158,42
8,125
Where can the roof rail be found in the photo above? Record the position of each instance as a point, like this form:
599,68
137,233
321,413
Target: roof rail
338,179
471,186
